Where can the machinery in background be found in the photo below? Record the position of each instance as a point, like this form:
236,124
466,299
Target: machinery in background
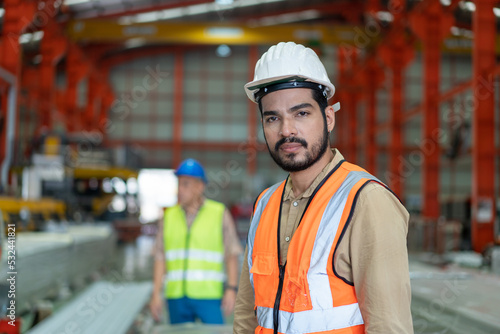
74,179
31,215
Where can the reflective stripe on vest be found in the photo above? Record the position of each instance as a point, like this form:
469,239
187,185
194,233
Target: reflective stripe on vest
313,298
194,257
195,275
194,254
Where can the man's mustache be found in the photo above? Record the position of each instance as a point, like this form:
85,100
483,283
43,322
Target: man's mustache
290,140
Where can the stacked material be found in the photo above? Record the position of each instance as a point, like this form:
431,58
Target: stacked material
93,247
47,261
104,307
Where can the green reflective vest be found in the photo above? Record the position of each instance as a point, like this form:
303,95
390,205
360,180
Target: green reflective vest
195,256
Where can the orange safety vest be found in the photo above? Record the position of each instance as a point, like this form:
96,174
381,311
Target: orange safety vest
306,295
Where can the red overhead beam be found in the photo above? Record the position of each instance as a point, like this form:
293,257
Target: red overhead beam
185,145
130,55
443,97
446,96
352,10
170,5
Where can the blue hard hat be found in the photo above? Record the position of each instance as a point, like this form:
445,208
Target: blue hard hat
191,167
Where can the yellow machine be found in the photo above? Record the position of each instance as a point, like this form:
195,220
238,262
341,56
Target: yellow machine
26,213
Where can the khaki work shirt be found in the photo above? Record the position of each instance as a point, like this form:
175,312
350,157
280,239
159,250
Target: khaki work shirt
372,254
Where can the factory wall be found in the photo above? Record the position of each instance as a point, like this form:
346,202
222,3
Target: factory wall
214,112
215,108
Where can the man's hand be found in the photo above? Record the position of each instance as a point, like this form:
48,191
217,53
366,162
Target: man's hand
228,301
156,306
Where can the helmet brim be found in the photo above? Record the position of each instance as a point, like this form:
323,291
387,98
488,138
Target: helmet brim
253,86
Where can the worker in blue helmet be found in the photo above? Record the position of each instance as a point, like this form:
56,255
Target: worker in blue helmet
197,252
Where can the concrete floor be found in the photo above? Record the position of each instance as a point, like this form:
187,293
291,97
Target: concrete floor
445,299
454,299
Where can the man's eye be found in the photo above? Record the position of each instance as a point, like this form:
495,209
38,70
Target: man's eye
302,113
271,119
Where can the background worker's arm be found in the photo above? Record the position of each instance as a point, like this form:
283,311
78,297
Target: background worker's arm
229,298
373,255
232,251
157,300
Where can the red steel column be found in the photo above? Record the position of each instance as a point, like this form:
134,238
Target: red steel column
396,145
432,64
483,150
373,78
70,112
352,115
107,100
178,106
105,124
341,117
252,117
100,97
396,54
77,67
17,16
94,93
431,24
52,48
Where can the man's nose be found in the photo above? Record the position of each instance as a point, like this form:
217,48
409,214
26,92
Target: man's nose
288,128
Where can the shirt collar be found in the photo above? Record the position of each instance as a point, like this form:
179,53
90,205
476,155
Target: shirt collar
288,193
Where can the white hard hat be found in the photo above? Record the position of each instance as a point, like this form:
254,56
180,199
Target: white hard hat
289,63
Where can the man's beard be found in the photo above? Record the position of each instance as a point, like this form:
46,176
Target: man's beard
311,157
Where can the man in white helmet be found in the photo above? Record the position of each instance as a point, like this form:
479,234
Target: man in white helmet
326,250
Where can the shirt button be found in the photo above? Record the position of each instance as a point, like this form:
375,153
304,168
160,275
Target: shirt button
295,203
287,239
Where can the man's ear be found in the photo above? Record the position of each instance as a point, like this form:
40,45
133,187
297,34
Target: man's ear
330,118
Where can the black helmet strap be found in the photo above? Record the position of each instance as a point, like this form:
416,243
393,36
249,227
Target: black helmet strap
287,85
